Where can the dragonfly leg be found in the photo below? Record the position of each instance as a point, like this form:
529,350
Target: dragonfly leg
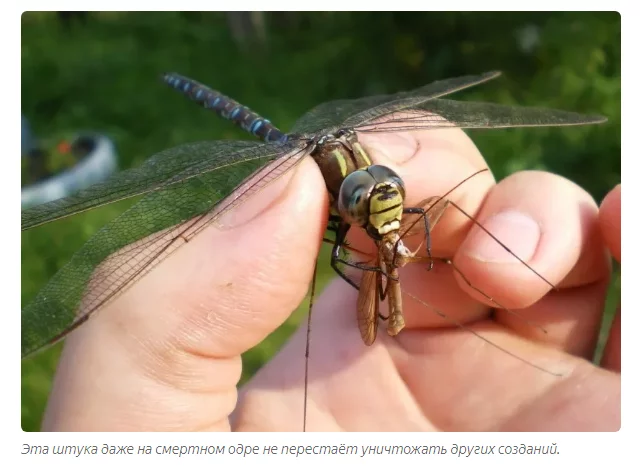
427,231
341,234
334,223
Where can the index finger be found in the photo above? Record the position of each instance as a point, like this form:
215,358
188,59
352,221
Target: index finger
543,231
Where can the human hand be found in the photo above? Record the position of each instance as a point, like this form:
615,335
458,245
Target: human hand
166,355
610,223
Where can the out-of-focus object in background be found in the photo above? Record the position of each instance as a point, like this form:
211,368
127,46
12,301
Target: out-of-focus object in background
67,18
248,29
28,141
53,173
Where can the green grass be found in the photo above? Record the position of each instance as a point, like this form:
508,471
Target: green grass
102,75
612,303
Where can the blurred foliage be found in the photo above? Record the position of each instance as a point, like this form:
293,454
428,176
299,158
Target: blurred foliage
53,155
100,72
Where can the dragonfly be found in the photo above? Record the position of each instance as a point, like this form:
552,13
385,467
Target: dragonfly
189,187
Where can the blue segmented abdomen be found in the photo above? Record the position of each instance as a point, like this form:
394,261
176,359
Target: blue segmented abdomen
225,107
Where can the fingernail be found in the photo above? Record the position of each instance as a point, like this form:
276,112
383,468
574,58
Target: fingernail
244,208
394,148
515,230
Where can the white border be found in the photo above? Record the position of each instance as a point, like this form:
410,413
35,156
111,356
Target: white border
579,453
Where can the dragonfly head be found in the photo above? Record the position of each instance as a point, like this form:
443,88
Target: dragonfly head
372,198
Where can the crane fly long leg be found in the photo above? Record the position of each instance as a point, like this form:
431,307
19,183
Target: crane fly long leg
308,345
432,207
430,210
476,222
419,259
368,275
467,329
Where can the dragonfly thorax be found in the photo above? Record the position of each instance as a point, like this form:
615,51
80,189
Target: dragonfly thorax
373,198
338,156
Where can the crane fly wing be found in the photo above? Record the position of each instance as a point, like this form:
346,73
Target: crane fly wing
368,306
434,208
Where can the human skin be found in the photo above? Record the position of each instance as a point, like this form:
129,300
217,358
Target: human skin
166,355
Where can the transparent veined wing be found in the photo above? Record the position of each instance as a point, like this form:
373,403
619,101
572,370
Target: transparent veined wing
332,115
160,170
443,113
131,245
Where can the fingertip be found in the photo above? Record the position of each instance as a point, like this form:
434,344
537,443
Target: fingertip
543,223
610,221
270,259
519,229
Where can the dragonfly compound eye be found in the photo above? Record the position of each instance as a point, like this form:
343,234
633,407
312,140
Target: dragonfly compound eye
384,175
353,199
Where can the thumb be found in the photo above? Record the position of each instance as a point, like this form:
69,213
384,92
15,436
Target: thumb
166,354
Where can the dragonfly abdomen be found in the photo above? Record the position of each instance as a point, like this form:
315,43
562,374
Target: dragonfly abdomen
225,107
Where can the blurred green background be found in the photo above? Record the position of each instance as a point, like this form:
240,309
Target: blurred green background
99,71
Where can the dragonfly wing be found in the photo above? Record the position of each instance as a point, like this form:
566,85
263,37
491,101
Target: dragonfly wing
446,113
134,243
324,117
161,170
350,113
407,100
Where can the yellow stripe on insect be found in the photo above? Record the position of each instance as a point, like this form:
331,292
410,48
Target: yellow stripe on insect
361,152
342,162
